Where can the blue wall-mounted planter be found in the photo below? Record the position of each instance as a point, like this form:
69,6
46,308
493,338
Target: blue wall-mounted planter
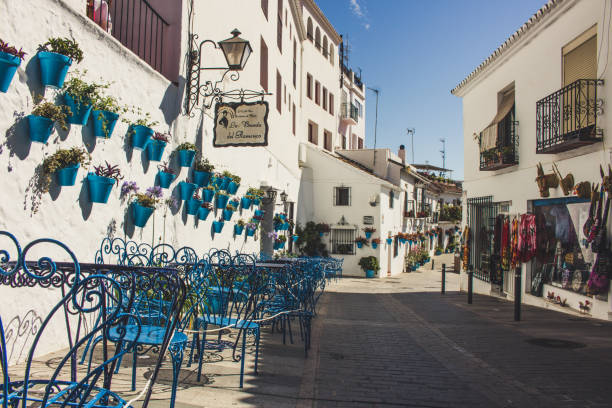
103,123
223,182
185,157
259,213
221,200
53,68
80,111
359,245
192,206
187,190
141,135
374,245
232,187
256,201
201,178
238,229
368,235
8,66
155,150
99,188
207,195
40,128
203,213
245,203
295,238
165,179
67,175
389,241
369,273
141,214
250,232
227,215
217,226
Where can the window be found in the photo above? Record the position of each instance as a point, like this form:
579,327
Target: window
331,53
309,86
309,29
313,131
331,103
294,63
499,136
324,49
263,65
317,92
391,198
342,196
359,108
264,7
359,143
279,91
318,39
293,118
327,140
580,58
284,93
343,241
279,27
324,98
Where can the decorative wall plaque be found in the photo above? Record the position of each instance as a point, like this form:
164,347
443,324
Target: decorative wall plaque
241,124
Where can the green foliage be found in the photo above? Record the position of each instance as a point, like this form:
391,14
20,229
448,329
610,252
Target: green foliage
107,103
204,165
146,200
450,213
186,146
252,191
82,91
369,263
64,46
236,179
142,119
62,159
109,171
241,222
309,241
57,113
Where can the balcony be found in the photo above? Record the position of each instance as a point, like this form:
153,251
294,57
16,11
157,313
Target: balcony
567,118
350,113
505,153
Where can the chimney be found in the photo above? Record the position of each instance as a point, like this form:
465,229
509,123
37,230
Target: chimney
402,154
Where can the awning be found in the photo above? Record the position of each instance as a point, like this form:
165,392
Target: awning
488,137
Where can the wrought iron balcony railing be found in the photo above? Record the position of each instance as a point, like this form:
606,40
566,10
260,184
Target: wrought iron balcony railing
505,154
350,112
567,118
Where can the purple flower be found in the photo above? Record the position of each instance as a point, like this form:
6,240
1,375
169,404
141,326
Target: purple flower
129,187
155,192
273,235
251,226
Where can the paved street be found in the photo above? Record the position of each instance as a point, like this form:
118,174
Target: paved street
398,342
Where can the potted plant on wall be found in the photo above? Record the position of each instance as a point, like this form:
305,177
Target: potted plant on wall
233,182
247,200
228,211
44,116
65,164
157,144
165,175
10,59
193,204
280,242
101,182
141,130
143,205
205,209
56,57
370,265
218,225
369,231
202,172
208,193
323,228
251,227
239,227
375,243
79,97
186,153
256,195
221,199
187,189
104,115
361,241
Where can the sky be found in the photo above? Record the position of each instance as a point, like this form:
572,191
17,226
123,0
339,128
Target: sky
415,52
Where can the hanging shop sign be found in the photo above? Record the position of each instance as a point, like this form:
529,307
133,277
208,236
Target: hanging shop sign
241,124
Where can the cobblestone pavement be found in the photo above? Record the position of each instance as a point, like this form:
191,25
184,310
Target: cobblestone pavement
397,342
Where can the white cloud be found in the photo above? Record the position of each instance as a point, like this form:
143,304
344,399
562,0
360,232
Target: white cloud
366,26
356,8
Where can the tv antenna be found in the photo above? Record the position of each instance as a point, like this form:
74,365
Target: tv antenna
410,131
443,152
376,91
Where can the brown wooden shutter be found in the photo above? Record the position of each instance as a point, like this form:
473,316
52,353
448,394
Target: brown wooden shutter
279,27
294,63
331,103
279,91
580,62
263,65
293,111
264,7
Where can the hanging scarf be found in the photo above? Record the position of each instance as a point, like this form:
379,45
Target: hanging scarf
465,238
505,245
527,237
514,239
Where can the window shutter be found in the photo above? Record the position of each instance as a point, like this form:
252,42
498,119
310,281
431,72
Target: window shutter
349,196
335,196
580,62
278,92
263,65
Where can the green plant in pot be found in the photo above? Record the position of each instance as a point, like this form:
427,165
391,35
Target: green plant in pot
233,182
186,152
79,96
202,172
105,114
65,164
55,58
157,145
44,117
140,130
143,205
370,265
101,182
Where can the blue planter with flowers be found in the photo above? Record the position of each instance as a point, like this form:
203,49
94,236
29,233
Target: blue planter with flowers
295,238
374,245
201,178
103,123
186,190
370,273
238,229
359,245
99,188
165,179
203,213
192,206
221,200
245,203
185,157
259,213
250,232
368,235
207,195
389,241
80,110
53,68
155,150
141,214
141,135
8,66
232,187
217,226
40,128
227,214
67,175
256,201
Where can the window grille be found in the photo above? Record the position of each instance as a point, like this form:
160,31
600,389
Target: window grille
342,196
481,219
391,197
343,241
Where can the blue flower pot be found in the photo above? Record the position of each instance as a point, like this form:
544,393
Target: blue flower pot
281,245
203,213
227,215
277,227
238,229
276,246
207,195
321,234
201,178
155,150
141,214
414,268
221,201
165,179
259,213
368,235
103,123
438,253
217,226
232,187
40,128
80,111
99,188
369,273
245,203
389,241
141,135
186,190
8,66
359,245
67,175
402,240
53,68
185,157
374,245
250,232
256,201
223,182
295,238
192,206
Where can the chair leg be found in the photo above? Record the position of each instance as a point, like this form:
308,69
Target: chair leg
256,348
289,327
201,353
242,358
134,363
194,343
176,351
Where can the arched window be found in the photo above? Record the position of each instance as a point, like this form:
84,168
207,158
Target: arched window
309,29
331,53
325,46
318,38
